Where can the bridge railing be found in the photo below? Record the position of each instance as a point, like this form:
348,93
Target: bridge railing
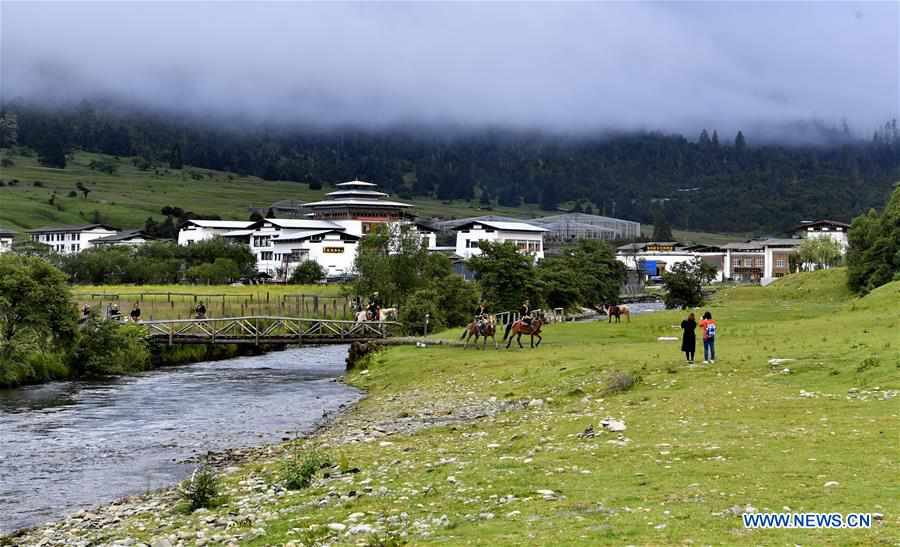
265,329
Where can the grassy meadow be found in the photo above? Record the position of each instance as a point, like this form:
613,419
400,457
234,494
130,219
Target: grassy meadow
818,431
126,198
179,301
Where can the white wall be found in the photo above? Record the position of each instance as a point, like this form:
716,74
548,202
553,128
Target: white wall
332,253
840,237
467,241
191,234
5,244
71,242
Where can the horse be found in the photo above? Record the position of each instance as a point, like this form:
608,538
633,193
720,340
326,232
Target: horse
617,311
387,314
384,314
486,329
520,327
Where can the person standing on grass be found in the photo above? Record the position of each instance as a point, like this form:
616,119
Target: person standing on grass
708,327
689,339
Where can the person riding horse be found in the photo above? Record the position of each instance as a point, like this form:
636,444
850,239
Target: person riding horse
525,313
373,310
481,317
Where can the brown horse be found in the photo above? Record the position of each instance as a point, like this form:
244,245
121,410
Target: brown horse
486,329
618,311
520,327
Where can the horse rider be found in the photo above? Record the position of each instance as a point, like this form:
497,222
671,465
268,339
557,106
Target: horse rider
374,308
525,313
481,317
135,313
200,310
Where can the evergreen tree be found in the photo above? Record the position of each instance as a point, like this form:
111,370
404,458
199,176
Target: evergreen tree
52,152
175,161
662,231
550,198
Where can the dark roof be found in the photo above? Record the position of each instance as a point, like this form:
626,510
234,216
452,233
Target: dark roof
804,225
124,235
306,235
71,228
6,231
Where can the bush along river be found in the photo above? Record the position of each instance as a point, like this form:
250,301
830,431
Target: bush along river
65,446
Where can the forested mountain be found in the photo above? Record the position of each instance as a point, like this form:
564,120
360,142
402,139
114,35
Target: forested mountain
712,183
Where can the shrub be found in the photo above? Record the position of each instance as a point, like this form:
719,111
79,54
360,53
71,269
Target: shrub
417,306
6,162
298,471
38,184
307,272
106,347
201,489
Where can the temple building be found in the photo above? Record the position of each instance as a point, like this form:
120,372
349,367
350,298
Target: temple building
358,207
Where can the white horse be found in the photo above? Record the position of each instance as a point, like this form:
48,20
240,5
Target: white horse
384,314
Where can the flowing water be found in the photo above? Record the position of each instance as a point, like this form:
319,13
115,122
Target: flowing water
70,445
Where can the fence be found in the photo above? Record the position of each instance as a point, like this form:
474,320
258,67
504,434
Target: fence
182,305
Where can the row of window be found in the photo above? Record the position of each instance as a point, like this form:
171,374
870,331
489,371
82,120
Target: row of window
58,236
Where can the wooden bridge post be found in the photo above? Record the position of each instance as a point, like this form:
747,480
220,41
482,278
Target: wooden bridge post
256,329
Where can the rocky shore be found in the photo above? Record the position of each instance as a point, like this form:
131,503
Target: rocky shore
156,519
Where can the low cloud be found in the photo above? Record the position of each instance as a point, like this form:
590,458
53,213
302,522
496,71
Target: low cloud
561,67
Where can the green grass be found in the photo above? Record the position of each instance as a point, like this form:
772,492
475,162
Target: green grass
699,440
128,197
179,301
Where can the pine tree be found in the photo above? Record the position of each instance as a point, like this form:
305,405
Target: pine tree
175,161
550,198
661,229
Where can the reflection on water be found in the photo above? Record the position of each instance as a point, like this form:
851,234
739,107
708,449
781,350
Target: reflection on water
68,445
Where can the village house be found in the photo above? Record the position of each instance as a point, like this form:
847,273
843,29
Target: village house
527,238
201,230
6,239
830,229
71,239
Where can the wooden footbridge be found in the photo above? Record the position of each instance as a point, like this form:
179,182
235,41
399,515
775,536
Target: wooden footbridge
258,330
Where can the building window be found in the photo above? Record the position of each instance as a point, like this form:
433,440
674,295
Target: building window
261,241
779,263
265,255
76,237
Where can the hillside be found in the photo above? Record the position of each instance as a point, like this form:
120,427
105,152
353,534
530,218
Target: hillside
709,183
130,195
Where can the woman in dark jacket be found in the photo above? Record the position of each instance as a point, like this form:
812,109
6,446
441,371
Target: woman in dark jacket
689,339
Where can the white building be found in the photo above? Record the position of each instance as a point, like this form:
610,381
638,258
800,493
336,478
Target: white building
526,237
125,238
201,230
6,239
333,250
71,239
262,235
756,260
830,229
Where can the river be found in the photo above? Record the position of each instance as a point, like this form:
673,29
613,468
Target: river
71,445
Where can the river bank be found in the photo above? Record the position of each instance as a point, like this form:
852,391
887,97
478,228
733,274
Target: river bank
457,446
75,444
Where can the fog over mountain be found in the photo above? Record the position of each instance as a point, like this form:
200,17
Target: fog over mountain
766,68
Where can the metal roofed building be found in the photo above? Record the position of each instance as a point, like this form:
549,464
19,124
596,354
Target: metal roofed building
358,207
6,239
573,226
527,238
71,239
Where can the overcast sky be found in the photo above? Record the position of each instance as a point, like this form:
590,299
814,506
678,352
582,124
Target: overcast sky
564,67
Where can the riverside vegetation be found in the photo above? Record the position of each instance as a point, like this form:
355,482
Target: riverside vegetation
799,413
